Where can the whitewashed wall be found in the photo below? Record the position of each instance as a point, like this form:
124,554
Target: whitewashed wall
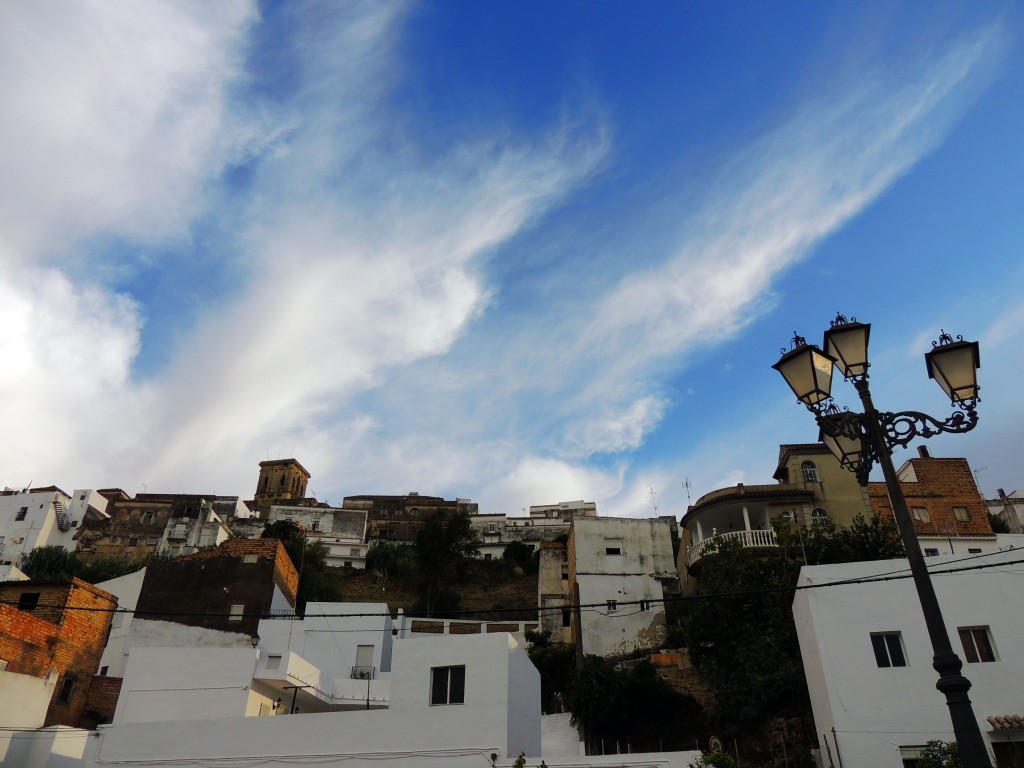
876,710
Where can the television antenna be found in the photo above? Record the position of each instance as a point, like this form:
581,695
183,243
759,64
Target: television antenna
652,496
687,485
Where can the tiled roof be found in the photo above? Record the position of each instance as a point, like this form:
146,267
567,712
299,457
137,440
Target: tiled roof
1006,722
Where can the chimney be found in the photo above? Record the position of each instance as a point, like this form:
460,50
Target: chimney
922,451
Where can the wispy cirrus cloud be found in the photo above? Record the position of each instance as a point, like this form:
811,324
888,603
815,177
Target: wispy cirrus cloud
365,329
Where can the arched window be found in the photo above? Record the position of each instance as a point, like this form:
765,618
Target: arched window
819,517
266,479
810,472
281,484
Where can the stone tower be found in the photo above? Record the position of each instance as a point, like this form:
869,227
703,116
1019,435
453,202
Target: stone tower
281,480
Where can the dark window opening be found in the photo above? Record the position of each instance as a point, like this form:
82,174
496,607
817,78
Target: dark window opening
66,689
566,617
28,601
447,685
888,650
977,644
21,513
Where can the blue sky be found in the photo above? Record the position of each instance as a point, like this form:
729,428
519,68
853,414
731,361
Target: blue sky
520,252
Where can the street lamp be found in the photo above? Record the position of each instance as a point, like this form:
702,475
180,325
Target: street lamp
860,440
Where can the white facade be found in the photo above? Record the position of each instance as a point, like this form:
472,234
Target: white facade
1008,507
126,589
341,531
623,561
880,705
42,518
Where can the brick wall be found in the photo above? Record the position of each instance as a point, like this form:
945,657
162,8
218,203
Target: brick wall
201,589
942,485
65,632
101,702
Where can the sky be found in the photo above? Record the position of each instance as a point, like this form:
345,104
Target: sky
514,252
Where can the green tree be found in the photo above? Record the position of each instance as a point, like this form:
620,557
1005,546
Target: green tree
744,643
443,543
998,524
57,564
522,555
939,754
51,564
633,706
556,663
392,558
317,581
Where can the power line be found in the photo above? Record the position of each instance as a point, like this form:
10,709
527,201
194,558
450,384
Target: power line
593,607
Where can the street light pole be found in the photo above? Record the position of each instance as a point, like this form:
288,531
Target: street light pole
952,683
860,440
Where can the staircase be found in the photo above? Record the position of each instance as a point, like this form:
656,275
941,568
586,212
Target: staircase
62,516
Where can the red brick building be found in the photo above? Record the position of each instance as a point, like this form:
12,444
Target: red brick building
943,498
56,631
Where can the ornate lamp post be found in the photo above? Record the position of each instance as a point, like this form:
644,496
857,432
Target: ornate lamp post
860,440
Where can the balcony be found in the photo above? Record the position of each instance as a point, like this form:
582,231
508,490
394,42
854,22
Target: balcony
752,539
362,673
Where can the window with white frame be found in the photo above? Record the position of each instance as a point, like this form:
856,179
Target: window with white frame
447,685
354,551
888,647
810,472
236,612
921,514
961,514
819,517
613,546
977,644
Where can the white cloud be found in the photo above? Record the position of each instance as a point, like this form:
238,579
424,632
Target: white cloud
620,431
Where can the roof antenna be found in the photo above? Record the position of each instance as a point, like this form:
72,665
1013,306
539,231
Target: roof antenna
688,485
652,495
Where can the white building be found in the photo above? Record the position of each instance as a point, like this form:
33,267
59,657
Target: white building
1008,507
341,531
868,660
619,568
42,517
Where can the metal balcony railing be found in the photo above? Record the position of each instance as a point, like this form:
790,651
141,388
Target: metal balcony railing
362,673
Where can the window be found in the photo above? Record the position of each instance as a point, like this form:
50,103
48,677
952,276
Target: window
487,556
354,551
103,671
316,524
66,689
961,514
491,528
931,552
810,472
348,564
133,541
236,612
645,605
977,644
21,513
613,546
250,558
414,512
974,550
565,573
1,541
566,617
819,517
81,497
921,513
888,649
28,601
613,606
447,685
274,661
